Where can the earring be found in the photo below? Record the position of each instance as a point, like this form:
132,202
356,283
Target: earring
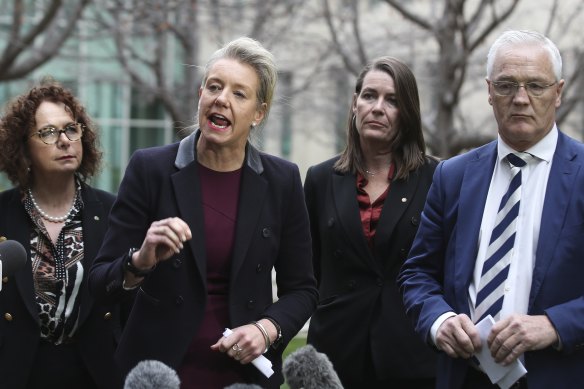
253,125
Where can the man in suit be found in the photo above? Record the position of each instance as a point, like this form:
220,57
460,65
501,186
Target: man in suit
540,311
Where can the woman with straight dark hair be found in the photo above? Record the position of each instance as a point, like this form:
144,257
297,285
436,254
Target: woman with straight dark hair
364,209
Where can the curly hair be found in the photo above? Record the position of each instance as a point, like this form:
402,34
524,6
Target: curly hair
19,119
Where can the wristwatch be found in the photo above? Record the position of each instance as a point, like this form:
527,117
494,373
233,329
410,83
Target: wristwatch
129,266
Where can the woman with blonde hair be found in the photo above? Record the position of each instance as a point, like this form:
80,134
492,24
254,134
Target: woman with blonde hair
198,227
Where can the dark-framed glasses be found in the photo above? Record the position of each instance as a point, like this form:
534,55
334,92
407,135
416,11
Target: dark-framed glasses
50,135
509,88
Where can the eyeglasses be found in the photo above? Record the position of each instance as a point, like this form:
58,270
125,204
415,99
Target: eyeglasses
50,135
509,88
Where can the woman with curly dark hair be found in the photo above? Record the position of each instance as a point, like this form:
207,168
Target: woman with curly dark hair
52,333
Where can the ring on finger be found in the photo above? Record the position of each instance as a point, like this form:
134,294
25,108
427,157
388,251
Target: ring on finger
236,348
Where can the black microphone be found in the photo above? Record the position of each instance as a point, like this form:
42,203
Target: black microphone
12,257
152,374
307,368
243,386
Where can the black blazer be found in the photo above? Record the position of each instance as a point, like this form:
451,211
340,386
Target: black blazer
272,231
19,324
360,316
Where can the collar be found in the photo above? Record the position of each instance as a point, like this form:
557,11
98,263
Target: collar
187,153
543,150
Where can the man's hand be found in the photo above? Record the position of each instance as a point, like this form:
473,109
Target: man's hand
458,337
511,337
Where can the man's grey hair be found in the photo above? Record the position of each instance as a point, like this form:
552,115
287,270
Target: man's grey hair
524,37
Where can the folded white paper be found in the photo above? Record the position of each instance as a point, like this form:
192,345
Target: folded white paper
504,376
262,363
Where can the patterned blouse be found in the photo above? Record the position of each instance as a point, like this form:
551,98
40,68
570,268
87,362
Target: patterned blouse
57,272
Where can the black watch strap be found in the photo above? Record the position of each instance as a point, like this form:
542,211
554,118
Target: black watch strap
129,266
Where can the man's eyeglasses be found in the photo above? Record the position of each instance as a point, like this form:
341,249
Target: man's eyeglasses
509,88
50,135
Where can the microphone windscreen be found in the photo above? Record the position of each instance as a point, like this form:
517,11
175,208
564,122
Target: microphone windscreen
13,257
243,386
152,374
308,369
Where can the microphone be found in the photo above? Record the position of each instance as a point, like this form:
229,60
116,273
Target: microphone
307,368
12,257
151,374
243,386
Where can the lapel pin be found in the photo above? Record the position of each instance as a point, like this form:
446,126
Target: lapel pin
404,199
96,218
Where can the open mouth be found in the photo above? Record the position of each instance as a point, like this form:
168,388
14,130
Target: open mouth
219,121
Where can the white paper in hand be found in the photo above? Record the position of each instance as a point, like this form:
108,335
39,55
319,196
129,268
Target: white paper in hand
262,363
504,376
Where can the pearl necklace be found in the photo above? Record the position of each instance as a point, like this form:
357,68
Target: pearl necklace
46,216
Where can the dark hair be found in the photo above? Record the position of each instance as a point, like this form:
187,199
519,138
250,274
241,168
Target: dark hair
408,146
19,119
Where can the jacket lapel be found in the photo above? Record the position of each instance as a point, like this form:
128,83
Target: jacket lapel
398,200
560,184
473,196
187,189
94,224
251,198
344,194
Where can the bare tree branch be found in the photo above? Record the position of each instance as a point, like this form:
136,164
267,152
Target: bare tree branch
495,21
22,55
412,17
346,58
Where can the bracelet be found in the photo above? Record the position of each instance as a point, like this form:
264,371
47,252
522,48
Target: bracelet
279,329
129,265
264,333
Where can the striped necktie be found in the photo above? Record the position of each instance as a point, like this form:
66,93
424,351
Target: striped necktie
491,289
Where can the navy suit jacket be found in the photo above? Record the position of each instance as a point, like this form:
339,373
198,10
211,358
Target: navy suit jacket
360,317
272,231
436,277
99,324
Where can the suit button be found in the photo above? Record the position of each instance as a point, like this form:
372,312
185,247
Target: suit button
331,222
8,316
266,233
379,282
338,253
107,316
351,284
415,221
259,268
179,300
250,304
4,280
177,263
